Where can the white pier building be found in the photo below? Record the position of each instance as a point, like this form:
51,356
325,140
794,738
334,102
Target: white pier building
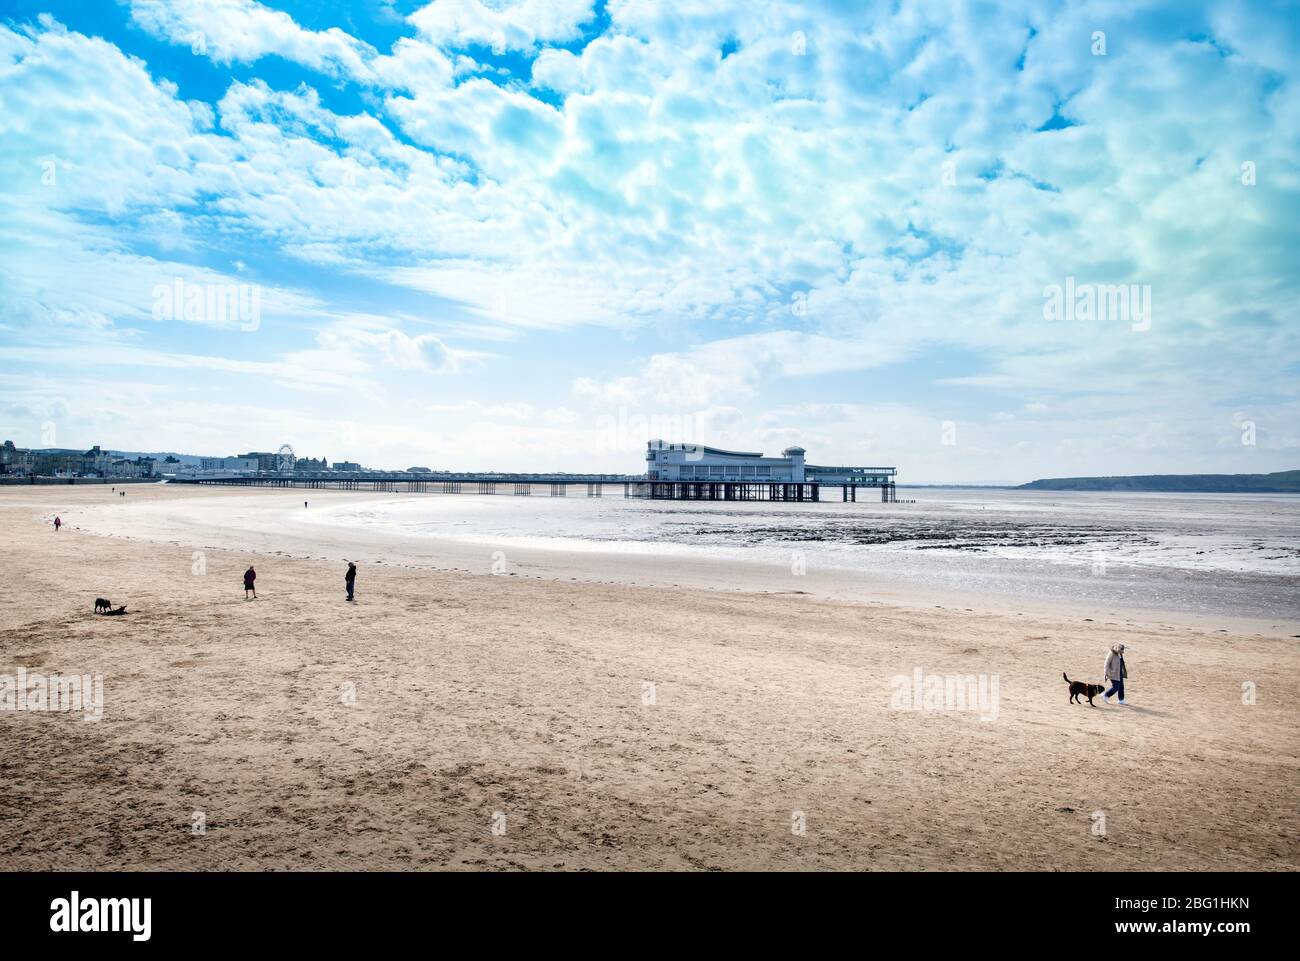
699,463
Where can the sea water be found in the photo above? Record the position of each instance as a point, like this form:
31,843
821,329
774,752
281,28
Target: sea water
1212,553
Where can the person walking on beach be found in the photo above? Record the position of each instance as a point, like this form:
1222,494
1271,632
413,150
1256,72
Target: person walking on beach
250,576
1115,672
350,578
58,522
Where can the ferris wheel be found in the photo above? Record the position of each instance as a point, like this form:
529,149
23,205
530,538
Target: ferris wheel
284,458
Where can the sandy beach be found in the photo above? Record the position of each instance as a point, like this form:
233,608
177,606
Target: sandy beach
546,718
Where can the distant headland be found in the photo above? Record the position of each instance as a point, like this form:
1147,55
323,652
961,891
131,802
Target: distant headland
1281,482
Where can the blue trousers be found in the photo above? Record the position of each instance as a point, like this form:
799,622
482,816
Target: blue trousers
349,583
1117,685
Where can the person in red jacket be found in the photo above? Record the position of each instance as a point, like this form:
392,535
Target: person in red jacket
250,576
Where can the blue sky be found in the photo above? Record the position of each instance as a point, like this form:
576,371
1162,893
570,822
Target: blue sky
527,235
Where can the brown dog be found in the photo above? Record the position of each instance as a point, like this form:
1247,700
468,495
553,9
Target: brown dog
1079,689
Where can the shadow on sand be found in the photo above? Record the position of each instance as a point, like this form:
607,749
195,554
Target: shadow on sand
1134,709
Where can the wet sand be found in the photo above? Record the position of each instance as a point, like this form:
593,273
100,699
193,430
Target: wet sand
453,719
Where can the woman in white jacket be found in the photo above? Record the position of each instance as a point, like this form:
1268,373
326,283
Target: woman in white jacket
1115,672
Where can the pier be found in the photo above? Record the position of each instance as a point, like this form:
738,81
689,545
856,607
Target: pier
674,472
752,491
556,485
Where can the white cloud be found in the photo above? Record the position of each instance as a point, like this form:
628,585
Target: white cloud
734,367
243,31
502,24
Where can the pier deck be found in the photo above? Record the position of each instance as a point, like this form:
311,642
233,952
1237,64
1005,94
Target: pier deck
557,485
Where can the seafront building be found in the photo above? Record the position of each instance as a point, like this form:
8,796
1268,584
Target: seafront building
228,463
691,462
70,462
279,463
697,462
265,459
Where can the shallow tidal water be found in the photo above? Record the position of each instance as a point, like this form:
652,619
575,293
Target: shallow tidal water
1225,554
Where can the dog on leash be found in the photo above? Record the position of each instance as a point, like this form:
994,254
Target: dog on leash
102,605
1078,689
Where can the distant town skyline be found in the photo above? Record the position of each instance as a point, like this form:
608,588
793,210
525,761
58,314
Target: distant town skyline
983,245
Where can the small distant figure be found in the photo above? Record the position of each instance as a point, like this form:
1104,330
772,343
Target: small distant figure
250,576
113,488
58,522
1115,672
304,505
350,579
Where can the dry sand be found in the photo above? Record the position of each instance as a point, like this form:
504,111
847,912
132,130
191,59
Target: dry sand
526,696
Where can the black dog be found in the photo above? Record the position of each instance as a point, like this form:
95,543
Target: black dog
118,610
1079,689
102,605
